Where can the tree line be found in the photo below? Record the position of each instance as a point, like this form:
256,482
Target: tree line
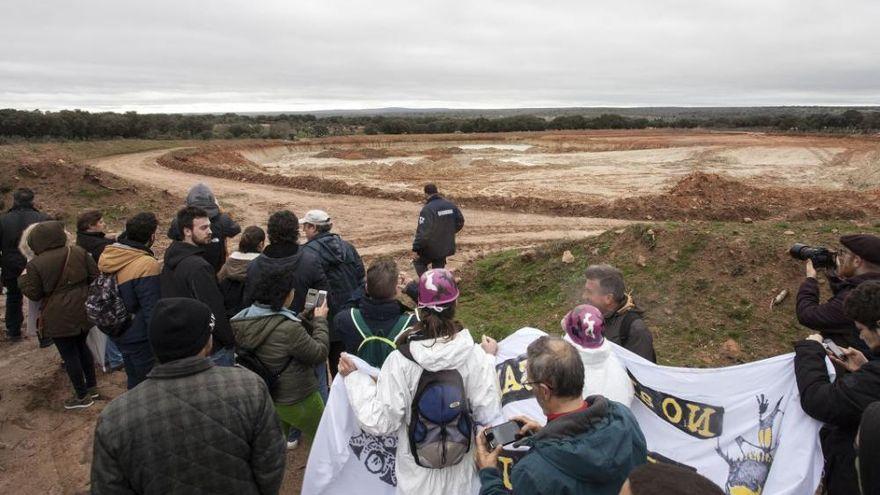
82,125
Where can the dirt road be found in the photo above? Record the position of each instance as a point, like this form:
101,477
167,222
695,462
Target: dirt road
374,226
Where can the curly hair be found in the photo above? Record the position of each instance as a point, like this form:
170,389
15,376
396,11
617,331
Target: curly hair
863,304
272,288
283,227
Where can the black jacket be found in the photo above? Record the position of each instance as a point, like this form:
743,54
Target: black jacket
828,318
343,268
439,220
93,242
379,315
185,273
190,428
12,224
307,272
625,327
839,405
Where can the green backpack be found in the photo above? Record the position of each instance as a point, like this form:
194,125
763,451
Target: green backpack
374,348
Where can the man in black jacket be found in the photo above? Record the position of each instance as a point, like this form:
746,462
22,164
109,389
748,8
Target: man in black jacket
186,273
605,289
190,427
12,262
439,221
90,234
857,261
222,226
840,404
342,266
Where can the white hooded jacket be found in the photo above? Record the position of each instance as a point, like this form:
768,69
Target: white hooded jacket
383,407
604,374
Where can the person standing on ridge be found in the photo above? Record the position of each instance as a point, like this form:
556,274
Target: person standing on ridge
439,221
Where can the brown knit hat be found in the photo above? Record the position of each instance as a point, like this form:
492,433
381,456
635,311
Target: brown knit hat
864,246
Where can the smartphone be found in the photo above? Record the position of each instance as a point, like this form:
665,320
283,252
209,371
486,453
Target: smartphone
322,296
315,298
311,299
833,348
503,434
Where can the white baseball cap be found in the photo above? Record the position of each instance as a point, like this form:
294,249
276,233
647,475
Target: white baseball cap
316,217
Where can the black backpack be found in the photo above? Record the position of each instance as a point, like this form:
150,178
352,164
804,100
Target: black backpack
441,426
247,358
105,308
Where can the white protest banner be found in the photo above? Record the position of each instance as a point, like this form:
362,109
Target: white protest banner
740,426
344,459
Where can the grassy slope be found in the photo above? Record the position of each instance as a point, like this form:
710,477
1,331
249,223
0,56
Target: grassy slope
701,285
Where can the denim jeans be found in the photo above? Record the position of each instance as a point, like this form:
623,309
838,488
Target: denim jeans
112,356
14,314
224,357
138,360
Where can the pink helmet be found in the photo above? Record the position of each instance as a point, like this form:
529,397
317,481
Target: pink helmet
585,326
437,288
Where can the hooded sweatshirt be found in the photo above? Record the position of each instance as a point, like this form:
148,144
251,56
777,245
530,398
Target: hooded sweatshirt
307,272
185,273
344,270
137,277
383,407
589,451
222,227
58,277
278,336
604,374
232,277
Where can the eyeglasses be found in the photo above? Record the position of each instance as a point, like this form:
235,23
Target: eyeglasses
537,383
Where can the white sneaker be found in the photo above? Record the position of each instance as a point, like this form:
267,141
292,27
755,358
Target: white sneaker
292,445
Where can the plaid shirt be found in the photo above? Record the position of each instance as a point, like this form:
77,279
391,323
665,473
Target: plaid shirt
190,428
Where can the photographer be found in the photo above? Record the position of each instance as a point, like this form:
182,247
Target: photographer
587,446
840,404
857,261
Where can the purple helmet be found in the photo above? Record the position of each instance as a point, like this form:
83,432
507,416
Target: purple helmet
585,326
437,288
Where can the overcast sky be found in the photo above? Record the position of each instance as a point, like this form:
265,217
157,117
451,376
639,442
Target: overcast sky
266,55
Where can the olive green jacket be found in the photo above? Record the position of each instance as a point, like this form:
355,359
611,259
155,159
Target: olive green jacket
276,337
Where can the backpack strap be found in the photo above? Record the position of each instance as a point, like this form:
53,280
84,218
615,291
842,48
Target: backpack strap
625,325
407,353
360,324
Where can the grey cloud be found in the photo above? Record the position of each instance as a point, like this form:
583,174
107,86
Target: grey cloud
281,55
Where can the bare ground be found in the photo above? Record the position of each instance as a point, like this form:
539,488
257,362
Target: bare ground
44,449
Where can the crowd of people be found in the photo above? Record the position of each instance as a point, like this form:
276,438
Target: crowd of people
228,356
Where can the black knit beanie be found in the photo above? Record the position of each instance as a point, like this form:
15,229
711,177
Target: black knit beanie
180,328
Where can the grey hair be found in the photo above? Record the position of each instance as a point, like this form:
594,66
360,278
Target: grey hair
610,280
557,364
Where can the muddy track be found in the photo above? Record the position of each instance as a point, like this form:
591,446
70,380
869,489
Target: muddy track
375,226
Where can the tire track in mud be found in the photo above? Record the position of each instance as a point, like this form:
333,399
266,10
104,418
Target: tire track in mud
375,226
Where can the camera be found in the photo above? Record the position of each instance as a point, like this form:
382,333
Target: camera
822,257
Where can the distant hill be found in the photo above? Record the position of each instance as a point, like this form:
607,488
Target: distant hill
666,113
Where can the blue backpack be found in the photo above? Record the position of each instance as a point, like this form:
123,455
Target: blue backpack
441,425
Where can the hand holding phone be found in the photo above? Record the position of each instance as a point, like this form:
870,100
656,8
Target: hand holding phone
833,349
503,434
